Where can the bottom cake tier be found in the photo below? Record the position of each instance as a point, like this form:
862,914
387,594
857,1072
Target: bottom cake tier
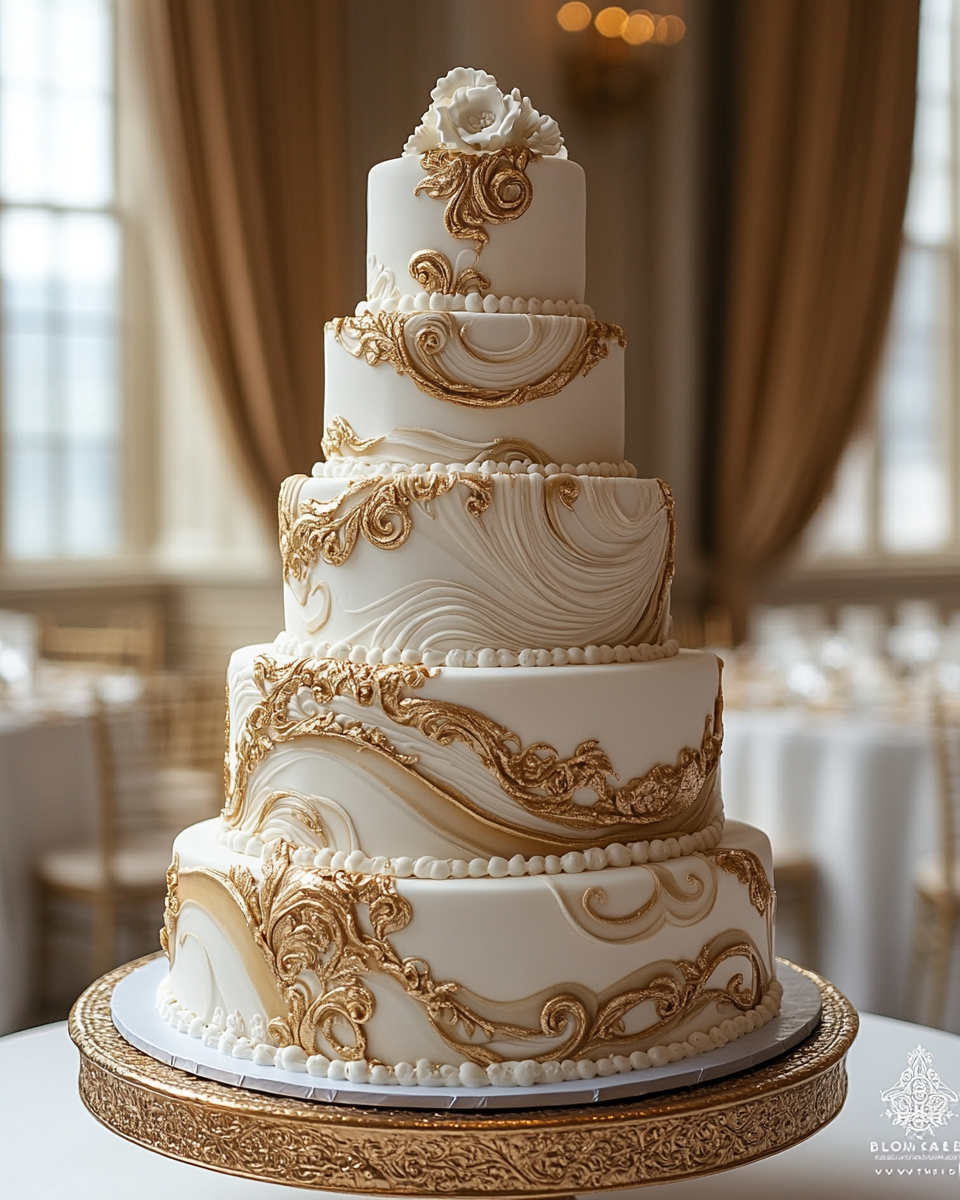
508,981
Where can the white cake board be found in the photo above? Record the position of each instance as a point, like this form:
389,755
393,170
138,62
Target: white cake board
134,1012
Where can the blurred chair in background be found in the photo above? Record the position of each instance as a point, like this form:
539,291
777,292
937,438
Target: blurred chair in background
131,638
937,880
159,769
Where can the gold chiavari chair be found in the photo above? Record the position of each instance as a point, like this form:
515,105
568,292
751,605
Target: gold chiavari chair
937,879
159,769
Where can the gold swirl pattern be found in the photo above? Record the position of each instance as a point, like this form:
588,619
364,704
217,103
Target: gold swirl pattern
745,865
307,923
434,272
340,433
536,776
379,338
668,901
480,189
171,907
376,509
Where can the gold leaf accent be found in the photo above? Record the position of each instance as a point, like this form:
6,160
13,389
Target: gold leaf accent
663,881
536,776
434,272
480,189
340,433
171,909
379,338
376,509
680,992
748,868
307,922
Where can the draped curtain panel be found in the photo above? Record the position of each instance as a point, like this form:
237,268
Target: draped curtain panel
821,124
248,96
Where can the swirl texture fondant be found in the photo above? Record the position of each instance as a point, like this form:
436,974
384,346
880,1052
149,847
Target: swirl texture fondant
438,862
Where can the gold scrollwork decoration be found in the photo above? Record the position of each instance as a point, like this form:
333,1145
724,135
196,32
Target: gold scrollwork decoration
307,921
663,883
340,433
320,947
748,868
537,777
379,338
171,907
376,509
434,273
480,189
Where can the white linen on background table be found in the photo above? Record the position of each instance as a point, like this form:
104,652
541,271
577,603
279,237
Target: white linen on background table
51,1148
48,774
857,794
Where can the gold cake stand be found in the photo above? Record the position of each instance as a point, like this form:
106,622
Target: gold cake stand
548,1152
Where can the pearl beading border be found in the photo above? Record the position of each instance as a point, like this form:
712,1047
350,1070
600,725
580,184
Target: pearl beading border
374,656
594,858
229,1036
473,302
345,467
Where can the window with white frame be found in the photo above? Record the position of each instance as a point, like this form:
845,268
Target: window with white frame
60,281
896,494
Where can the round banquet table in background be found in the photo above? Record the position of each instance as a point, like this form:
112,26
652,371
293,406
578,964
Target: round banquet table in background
53,1149
856,793
48,796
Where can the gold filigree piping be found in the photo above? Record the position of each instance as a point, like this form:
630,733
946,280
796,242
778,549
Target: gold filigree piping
376,509
536,777
379,338
748,868
663,883
307,923
340,433
480,189
171,908
433,271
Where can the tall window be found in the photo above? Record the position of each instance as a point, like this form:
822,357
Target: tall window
60,257
897,491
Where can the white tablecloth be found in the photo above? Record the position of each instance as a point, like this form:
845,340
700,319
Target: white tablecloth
858,795
52,1149
47,796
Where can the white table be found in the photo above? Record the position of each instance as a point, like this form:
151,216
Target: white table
856,793
52,1149
48,778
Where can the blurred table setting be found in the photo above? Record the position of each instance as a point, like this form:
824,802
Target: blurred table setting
829,747
101,763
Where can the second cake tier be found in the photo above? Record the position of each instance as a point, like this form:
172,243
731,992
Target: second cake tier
474,771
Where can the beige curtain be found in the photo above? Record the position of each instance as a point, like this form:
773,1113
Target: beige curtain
822,121
248,95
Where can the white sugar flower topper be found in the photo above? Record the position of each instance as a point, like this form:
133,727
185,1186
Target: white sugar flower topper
471,114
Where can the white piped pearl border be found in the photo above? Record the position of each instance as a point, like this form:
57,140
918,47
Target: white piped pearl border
473,302
591,656
594,858
364,468
229,1036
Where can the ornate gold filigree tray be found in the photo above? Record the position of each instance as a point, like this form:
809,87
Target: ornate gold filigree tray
529,1153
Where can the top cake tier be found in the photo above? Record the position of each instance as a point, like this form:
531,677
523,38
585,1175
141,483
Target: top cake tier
512,207
539,253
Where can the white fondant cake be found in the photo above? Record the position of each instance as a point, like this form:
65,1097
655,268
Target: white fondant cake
438,862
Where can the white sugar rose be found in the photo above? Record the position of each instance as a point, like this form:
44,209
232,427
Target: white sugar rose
469,113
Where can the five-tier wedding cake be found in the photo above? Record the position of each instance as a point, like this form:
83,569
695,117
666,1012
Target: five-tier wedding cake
473,831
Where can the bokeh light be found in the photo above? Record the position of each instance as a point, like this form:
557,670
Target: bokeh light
669,30
610,21
574,16
639,27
